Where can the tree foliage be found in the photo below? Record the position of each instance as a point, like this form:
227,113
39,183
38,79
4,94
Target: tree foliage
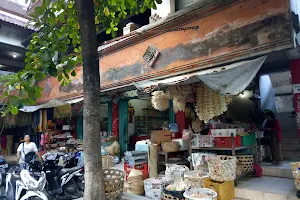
55,50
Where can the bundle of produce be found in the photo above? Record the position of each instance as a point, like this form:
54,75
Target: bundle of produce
209,103
176,189
194,179
200,194
160,101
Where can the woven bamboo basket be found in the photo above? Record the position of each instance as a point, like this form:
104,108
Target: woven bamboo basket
169,147
295,169
114,183
295,166
245,162
170,197
222,168
107,162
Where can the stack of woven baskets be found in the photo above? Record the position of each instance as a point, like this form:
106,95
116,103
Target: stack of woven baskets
135,183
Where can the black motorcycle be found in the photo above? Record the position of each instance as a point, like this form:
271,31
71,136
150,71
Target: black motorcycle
65,179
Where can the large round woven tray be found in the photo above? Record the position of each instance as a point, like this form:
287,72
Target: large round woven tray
114,183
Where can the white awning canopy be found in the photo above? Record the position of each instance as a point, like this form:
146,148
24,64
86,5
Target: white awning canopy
227,80
51,104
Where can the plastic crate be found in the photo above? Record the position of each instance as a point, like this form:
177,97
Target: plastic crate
225,190
141,167
249,140
225,142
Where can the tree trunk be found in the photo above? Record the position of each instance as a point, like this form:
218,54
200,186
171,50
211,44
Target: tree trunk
94,182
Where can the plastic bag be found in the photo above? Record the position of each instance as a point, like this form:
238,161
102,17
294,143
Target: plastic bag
199,161
186,133
175,172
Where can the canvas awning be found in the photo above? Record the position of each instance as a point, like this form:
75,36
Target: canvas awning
227,80
51,104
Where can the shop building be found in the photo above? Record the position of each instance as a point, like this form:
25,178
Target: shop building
248,50
205,35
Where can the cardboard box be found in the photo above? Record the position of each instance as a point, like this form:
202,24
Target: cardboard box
4,152
160,136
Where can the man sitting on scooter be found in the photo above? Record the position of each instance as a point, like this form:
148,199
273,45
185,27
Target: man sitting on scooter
26,147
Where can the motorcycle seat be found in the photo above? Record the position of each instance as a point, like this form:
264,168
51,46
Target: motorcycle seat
67,170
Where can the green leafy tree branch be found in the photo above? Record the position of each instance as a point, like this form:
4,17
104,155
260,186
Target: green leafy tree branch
55,49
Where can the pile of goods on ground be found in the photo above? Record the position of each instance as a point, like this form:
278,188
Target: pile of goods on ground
212,178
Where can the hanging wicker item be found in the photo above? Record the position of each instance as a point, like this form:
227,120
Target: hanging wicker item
178,104
197,125
209,103
172,92
160,101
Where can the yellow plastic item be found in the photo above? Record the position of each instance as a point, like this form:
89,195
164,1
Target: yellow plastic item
225,190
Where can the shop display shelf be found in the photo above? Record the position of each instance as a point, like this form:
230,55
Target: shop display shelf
220,149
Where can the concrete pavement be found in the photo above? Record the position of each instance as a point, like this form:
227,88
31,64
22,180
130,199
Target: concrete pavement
127,196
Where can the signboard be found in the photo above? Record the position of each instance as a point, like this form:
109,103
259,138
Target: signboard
296,88
151,55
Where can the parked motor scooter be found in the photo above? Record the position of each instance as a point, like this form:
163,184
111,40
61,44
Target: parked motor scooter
21,185
63,183
3,169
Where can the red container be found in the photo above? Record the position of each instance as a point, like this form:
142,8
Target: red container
225,142
141,167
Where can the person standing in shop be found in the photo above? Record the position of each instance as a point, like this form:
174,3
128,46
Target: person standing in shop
272,132
26,147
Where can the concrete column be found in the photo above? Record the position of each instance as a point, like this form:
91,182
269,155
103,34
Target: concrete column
115,119
295,72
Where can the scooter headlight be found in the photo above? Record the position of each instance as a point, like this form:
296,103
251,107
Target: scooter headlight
31,183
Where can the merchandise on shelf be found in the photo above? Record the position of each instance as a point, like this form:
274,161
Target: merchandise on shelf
226,142
203,140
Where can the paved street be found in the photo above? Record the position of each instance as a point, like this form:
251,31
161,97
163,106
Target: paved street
127,196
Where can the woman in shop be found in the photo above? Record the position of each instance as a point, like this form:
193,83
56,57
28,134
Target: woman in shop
273,135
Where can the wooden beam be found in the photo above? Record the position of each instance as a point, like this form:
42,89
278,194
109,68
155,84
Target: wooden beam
12,63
